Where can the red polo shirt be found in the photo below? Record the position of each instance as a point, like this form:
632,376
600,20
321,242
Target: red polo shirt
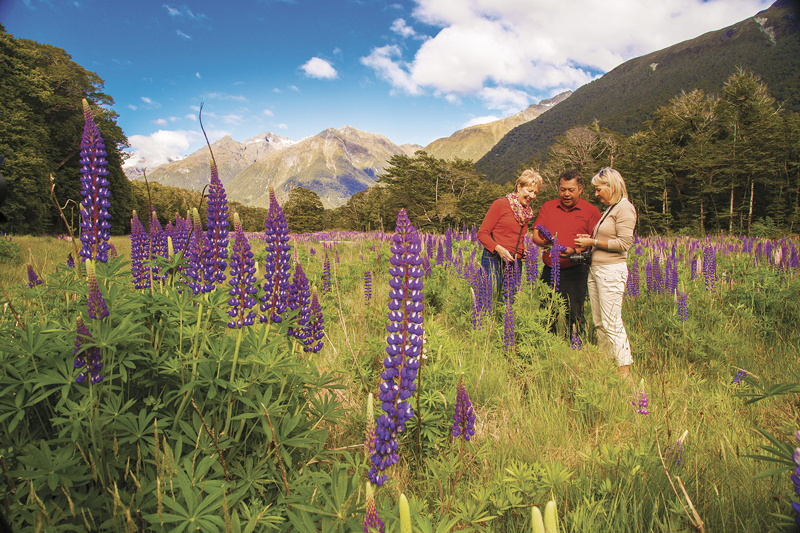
567,224
500,227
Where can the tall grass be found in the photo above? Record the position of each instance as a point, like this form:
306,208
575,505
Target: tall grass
553,422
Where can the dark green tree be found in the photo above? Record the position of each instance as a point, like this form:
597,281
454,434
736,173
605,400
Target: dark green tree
41,123
304,211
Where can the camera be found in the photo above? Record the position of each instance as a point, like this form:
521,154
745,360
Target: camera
582,257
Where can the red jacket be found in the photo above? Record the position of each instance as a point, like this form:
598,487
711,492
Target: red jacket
500,227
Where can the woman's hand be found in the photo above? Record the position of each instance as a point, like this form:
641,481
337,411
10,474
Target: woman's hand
584,241
505,255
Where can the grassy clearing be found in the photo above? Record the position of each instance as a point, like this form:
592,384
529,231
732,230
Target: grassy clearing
557,422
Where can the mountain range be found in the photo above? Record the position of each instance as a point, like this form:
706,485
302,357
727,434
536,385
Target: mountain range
337,163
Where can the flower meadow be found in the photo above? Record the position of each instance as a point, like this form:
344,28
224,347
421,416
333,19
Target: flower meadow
208,379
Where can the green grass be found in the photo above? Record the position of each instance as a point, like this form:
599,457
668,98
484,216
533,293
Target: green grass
553,422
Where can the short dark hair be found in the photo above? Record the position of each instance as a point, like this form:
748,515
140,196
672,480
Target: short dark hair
569,175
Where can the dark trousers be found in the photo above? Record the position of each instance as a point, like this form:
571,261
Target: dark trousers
494,266
572,287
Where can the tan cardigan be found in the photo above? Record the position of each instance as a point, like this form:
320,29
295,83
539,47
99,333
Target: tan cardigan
616,228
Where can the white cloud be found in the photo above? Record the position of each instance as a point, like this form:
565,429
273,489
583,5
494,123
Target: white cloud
283,126
535,46
508,100
232,119
294,88
185,12
383,61
269,113
132,107
160,122
160,147
193,118
149,103
319,68
225,96
276,90
186,37
480,120
173,119
400,27
197,75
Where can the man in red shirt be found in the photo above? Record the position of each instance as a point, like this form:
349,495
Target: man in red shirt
565,218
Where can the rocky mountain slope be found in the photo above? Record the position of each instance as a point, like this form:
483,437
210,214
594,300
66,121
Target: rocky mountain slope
232,157
335,164
767,44
473,142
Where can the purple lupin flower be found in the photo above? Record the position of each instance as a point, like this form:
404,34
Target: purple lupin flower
367,287
555,261
215,251
531,262
326,275
683,306
404,348
242,280
439,254
33,278
302,301
740,375
277,264
633,284
464,417
95,225
544,233
710,267
193,269
97,305
577,344
70,261
87,360
508,327
372,522
676,449
641,401
313,327
140,252
158,244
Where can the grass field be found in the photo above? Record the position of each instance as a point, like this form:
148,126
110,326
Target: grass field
552,422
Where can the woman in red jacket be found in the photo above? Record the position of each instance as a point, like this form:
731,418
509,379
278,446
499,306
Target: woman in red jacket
502,232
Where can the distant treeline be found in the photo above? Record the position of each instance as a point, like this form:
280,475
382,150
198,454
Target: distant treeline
171,201
703,164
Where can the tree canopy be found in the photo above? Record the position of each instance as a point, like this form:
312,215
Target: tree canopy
304,211
41,123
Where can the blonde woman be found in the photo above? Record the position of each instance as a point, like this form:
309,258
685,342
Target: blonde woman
611,239
502,232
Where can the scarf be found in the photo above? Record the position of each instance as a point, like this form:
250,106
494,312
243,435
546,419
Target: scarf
522,214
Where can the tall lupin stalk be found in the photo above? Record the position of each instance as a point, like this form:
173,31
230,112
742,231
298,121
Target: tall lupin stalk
404,345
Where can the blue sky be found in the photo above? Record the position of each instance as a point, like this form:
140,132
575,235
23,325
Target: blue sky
412,70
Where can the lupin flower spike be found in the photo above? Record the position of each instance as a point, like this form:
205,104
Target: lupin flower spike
215,252
315,329
464,418
97,305
87,360
372,522
369,432
33,278
242,280
641,402
277,264
404,348
95,225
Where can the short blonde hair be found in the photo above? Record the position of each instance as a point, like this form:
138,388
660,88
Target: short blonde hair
527,178
612,178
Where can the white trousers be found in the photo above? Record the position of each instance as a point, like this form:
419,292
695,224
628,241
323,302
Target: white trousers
606,290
